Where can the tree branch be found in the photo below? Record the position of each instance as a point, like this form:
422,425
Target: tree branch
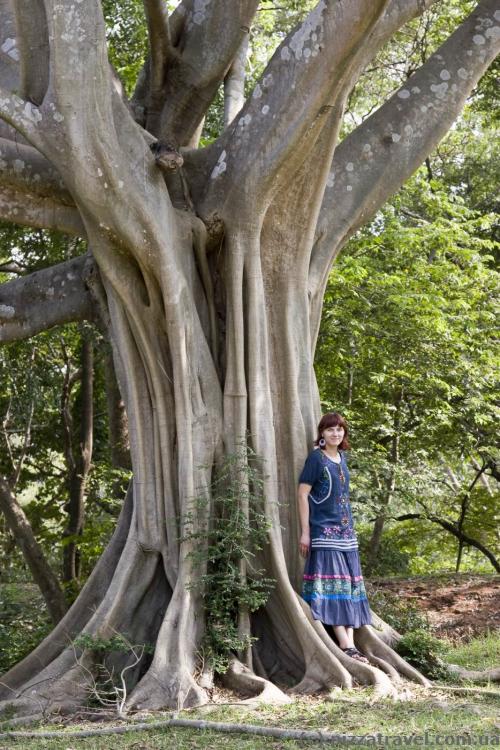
25,169
453,529
376,159
26,442
43,575
234,84
33,193
54,296
87,132
22,115
314,62
159,41
33,44
79,65
201,58
9,52
31,210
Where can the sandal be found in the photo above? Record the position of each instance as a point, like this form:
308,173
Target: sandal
355,654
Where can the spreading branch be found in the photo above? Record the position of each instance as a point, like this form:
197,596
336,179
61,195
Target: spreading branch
41,571
25,169
33,43
310,67
23,115
54,296
32,192
452,528
206,56
317,156
390,145
198,60
159,41
31,210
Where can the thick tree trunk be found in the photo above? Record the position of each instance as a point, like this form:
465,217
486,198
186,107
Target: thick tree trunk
149,598
259,191
38,564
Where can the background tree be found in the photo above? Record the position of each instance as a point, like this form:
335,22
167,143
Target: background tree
408,343
210,282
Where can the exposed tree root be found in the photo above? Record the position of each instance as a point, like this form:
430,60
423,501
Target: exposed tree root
383,665
481,677
78,615
471,690
63,693
133,607
297,734
21,721
170,682
370,643
385,632
240,678
172,689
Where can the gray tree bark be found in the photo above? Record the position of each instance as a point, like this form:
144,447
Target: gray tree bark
213,281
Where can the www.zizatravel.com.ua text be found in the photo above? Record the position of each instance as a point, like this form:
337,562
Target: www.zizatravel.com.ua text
428,739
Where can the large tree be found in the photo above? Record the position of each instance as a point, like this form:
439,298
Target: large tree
208,267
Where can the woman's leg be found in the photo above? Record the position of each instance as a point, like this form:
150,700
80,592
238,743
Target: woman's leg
344,636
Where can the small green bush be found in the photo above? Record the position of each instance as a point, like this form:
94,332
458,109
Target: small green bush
424,651
232,536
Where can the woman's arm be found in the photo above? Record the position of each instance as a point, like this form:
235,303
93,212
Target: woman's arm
303,503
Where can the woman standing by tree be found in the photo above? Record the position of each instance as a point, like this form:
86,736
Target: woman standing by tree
333,583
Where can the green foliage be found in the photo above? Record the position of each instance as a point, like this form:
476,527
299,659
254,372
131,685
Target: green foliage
424,651
105,490
127,38
400,614
410,315
102,646
391,560
24,622
237,529
429,549
32,375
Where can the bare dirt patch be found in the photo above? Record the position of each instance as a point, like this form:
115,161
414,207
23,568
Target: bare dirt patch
459,606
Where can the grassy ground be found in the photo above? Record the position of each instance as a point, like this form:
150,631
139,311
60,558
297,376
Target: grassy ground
479,653
353,712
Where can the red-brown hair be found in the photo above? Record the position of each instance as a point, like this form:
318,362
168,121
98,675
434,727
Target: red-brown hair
332,419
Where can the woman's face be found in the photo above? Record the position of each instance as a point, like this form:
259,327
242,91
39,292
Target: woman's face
333,436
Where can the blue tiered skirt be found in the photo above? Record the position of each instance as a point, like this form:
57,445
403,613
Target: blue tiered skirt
333,587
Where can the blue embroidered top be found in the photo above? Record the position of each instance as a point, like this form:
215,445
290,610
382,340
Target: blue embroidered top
330,515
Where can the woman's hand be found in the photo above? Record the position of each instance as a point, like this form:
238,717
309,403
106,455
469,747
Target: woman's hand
304,544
